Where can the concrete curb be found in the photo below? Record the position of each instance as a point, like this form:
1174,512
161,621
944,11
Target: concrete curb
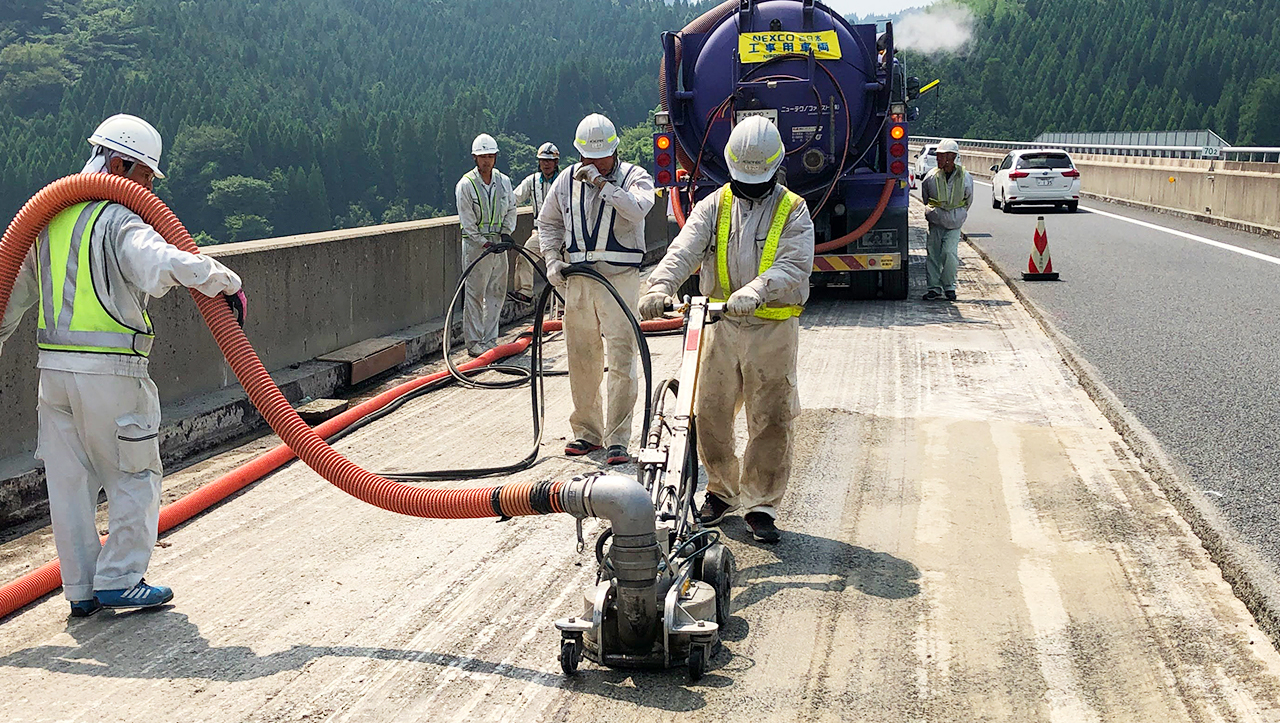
1254,581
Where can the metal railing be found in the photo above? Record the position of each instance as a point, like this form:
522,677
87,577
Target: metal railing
1248,154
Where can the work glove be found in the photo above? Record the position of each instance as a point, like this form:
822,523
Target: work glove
555,272
588,173
743,302
239,304
653,304
505,242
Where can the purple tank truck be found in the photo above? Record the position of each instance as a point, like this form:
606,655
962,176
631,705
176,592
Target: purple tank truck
838,97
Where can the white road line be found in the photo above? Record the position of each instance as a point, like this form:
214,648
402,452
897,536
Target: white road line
1189,236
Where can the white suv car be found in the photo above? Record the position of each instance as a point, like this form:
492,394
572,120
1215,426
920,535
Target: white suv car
1040,176
926,161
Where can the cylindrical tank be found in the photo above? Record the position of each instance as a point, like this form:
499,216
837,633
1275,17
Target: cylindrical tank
733,63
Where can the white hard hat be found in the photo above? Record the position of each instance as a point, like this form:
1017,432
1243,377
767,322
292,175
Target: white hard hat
484,145
131,136
755,151
548,152
949,146
596,137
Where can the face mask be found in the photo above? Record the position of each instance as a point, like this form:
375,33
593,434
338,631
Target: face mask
751,191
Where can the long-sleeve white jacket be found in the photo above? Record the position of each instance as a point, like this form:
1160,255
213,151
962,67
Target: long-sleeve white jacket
786,282
498,195
628,192
149,267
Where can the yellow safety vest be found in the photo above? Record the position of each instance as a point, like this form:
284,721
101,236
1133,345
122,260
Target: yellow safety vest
490,220
73,318
775,313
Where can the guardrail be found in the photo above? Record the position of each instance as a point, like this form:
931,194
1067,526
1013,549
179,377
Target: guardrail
1247,154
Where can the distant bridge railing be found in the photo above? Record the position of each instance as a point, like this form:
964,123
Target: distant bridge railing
1246,154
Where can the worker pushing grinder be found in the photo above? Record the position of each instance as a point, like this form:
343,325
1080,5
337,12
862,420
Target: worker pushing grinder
754,241
93,271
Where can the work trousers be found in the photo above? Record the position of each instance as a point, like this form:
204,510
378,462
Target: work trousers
944,257
751,365
524,277
100,431
484,296
594,325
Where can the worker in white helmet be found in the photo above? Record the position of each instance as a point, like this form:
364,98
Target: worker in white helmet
754,241
533,189
487,214
948,192
594,216
92,271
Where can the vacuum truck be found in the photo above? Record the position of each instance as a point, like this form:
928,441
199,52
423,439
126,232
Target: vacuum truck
839,99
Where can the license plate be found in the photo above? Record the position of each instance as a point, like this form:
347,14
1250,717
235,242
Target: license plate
770,113
1044,181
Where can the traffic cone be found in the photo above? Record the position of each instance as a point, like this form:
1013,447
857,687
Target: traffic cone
1040,266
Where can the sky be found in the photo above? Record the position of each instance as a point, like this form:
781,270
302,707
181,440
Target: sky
873,7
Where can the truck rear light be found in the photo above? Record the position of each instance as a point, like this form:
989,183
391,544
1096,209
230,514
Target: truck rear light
664,178
1019,174
897,149
898,168
898,133
1072,173
664,159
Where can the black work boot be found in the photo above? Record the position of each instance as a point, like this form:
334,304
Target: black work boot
762,527
713,510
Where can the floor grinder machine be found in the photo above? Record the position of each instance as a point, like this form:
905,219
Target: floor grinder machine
675,620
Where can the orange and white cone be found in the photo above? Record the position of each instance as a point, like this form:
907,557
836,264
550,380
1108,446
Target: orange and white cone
1040,266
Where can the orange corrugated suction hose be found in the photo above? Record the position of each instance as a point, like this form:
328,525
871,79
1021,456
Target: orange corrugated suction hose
885,194
298,437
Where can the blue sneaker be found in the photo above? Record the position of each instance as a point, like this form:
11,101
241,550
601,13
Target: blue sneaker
84,608
141,595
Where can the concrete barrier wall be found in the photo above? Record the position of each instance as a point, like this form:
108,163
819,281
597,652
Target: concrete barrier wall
1228,193
308,295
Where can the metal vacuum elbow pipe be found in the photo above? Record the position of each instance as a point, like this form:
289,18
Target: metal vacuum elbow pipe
634,553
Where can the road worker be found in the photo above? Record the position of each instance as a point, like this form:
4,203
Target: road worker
754,241
93,271
948,192
487,216
594,216
533,189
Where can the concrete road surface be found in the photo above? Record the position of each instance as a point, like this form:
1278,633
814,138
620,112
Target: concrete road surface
966,539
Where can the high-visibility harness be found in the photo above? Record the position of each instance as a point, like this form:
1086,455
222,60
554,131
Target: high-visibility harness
75,319
490,221
788,202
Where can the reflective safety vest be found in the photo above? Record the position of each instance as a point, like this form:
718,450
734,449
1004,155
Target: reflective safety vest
585,243
789,201
72,315
490,216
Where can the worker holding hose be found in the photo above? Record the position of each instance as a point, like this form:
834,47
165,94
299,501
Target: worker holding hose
754,240
92,271
533,189
594,216
487,216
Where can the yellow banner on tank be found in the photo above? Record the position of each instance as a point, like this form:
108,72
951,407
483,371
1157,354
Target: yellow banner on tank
759,47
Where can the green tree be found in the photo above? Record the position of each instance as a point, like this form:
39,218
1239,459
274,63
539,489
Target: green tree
247,227
1260,116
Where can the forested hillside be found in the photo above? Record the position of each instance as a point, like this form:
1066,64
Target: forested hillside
1113,65
288,116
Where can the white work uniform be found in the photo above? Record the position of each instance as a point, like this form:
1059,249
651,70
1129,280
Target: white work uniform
604,229
533,189
99,414
748,360
949,199
485,212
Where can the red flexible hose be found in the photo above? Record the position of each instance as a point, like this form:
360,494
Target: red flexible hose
299,438
866,226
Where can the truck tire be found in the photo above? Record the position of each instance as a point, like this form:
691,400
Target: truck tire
897,284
